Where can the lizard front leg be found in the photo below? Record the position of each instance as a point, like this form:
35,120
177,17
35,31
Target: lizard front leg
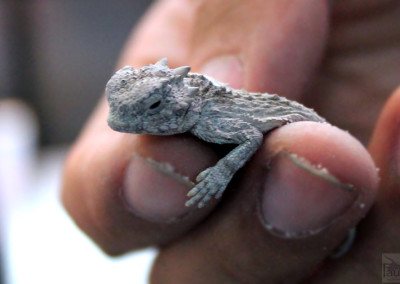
213,181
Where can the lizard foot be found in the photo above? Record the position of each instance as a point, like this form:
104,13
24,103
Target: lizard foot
211,183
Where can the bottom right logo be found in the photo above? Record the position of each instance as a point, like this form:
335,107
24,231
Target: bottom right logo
391,268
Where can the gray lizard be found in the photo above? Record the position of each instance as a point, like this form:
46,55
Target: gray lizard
158,100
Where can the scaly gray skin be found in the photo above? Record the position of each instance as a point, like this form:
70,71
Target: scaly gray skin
162,101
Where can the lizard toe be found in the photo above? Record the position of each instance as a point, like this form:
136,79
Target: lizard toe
201,176
197,193
193,191
219,192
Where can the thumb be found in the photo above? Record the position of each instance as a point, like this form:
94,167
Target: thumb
270,46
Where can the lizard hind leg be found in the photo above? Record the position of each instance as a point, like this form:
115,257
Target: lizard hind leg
213,181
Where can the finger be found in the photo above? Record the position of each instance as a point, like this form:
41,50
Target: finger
384,142
285,213
379,232
164,31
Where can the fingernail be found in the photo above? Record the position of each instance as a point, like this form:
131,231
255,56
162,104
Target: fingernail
154,190
301,199
227,69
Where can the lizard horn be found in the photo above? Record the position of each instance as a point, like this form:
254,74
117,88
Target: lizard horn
163,82
182,71
193,91
162,62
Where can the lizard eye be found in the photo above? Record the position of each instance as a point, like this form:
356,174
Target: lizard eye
155,105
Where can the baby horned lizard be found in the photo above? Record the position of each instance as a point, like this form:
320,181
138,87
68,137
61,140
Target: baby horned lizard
162,101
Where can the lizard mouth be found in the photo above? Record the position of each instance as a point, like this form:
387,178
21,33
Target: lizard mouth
116,125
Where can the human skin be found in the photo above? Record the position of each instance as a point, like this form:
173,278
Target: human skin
342,58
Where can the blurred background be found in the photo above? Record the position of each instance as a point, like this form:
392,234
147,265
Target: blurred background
55,58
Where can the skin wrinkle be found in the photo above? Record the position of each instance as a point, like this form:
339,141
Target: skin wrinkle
356,70
342,35
352,10
219,15
211,21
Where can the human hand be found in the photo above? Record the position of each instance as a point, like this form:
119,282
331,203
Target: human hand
124,201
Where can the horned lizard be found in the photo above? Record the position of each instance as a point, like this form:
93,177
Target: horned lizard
158,100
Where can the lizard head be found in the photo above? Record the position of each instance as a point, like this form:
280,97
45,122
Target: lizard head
154,100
